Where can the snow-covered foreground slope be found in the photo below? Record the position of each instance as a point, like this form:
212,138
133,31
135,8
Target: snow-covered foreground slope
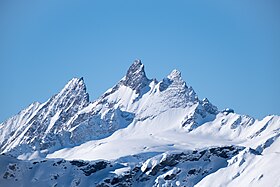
150,169
249,168
143,132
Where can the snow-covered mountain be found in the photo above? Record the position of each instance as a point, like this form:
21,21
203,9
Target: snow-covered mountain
141,132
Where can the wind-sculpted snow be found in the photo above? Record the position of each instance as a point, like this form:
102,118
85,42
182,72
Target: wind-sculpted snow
141,132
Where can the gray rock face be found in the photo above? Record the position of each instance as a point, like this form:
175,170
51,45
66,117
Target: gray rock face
209,107
175,91
136,77
45,127
204,112
92,126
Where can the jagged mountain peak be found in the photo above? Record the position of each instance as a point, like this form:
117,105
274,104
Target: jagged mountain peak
76,89
136,77
74,84
136,69
174,80
175,75
47,120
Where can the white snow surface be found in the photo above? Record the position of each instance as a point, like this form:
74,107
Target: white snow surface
143,122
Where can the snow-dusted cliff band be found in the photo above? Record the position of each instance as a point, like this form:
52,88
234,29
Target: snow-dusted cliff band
141,132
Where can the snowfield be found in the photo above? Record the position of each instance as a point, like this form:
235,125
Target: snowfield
141,132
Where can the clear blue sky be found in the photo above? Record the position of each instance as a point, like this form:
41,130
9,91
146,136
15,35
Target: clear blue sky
229,51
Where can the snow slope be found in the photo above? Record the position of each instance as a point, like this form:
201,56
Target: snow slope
167,169
136,125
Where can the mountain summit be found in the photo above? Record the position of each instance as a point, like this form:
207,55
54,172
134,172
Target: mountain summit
141,132
175,75
136,77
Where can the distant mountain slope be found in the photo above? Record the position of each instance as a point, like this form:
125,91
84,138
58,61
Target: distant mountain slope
137,124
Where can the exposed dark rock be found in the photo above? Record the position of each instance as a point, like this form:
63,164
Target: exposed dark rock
192,171
115,180
136,77
78,163
12,167
169,177
228,110
92,168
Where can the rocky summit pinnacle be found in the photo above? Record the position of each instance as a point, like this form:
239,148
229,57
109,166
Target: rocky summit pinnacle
74,91
175,74
136,77
176,81
75,83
